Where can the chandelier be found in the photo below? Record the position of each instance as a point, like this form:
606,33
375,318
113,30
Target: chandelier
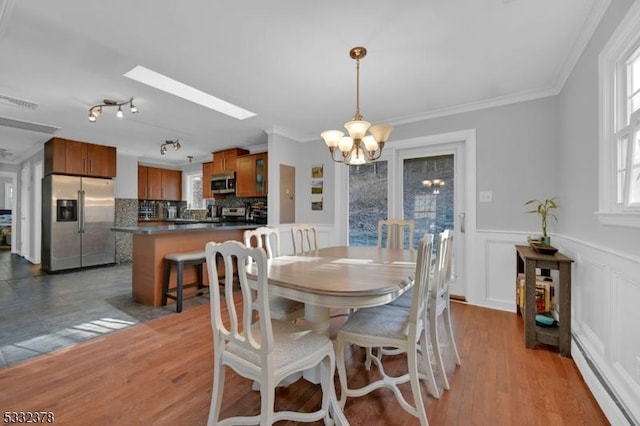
359,147
176,146
96,110
435,183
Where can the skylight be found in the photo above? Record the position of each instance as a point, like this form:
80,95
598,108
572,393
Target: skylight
174,87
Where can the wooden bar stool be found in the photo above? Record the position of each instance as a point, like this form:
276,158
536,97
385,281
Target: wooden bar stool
196,258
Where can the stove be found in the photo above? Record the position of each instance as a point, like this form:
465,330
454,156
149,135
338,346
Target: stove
234,214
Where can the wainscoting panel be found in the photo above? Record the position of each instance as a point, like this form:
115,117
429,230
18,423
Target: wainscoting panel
605,312
606,325
495,269
500,276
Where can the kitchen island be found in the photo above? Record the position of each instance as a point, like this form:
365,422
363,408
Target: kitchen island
152,243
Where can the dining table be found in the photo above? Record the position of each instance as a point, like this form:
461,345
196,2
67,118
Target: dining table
340,277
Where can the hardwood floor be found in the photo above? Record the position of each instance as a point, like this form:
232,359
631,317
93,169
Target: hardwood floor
160,373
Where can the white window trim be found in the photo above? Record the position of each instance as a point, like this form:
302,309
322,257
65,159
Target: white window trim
189,188
626,35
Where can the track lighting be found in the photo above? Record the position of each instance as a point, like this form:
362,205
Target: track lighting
96,110
176,146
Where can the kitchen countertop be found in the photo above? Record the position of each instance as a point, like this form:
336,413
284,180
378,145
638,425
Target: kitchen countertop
185,226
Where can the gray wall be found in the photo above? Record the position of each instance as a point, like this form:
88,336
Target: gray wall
283,150
578,174
517,147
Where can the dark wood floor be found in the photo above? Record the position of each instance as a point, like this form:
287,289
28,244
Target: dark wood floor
160,373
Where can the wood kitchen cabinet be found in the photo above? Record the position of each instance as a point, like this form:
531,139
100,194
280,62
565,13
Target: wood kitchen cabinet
171,185
159,184
225,161
207,171
65,156
251,178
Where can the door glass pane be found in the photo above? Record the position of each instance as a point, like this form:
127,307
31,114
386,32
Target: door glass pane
428,194
368,200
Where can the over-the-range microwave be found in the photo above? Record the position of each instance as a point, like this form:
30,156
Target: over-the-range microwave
223,183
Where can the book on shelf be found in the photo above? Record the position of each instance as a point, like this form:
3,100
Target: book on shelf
544,294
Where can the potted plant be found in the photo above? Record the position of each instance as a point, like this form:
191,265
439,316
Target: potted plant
544,208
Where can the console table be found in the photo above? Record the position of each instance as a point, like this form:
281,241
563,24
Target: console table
528,260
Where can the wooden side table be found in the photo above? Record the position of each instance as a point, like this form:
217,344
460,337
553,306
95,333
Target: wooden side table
528,260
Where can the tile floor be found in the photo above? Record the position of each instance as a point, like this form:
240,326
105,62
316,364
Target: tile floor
40,312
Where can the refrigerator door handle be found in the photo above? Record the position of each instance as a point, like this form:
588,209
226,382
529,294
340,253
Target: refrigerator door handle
81,228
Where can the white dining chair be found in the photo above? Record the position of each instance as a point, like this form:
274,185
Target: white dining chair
388,326
439,305
265,351
438,311
269,238
305,238
392,233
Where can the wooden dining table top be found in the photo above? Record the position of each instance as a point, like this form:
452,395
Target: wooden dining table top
342,276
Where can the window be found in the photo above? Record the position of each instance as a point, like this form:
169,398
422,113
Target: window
367,202
619,196
194,190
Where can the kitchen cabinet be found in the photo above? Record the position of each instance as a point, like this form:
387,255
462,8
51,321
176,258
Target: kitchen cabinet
159,184
207,171
251,178
65,156
225,161
171,185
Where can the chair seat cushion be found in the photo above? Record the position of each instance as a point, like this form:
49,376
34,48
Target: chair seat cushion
290,344
381,321
404,301
187,256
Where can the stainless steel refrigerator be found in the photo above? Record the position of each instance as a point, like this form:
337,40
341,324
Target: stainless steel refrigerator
77,216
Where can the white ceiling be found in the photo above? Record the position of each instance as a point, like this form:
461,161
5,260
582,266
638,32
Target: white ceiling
286,60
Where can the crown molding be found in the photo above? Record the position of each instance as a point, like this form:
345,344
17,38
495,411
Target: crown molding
590,25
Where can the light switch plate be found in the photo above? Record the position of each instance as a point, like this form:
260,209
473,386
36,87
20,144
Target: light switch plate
486,196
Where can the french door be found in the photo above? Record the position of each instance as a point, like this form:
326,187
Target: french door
423,183
430,189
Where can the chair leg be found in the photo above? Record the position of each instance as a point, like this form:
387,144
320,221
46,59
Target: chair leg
199,268
412,361
165,282
342,372
328,367
435,344
267,403
179,285
216,393
428,368
449,330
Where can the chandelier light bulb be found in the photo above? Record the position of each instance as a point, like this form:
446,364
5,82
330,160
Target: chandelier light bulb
132,107
119,113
